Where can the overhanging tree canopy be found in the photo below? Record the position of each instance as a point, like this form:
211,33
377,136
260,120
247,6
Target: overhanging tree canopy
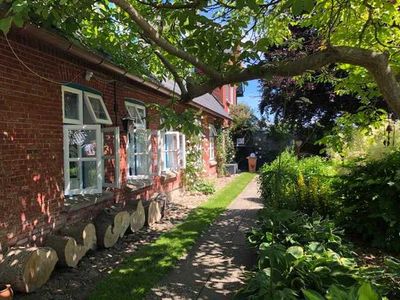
226,39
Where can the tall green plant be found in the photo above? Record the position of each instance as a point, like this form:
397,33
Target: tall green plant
220,149
194,162
299,184
229,146
370,194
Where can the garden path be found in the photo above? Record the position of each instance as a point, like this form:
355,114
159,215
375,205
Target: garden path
216,265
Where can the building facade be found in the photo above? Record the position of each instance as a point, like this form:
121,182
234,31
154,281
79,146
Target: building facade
77,135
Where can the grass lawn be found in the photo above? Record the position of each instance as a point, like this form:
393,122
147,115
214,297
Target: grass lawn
143,270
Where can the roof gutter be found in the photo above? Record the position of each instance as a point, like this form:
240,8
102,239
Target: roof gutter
63,44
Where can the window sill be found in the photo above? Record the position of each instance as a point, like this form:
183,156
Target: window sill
168,175
213,163
77,202
135,184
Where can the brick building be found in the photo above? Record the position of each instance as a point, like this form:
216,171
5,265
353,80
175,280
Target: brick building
75,137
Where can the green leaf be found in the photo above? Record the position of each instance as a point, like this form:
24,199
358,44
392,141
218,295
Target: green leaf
296,251
308,5
365,292
18,20
297,7
5,24
312,295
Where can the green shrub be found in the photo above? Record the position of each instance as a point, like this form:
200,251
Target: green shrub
299,184
204,187
371,196
305,257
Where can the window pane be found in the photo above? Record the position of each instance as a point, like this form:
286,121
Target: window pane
141,112
171,142
73,150
171,159
138,152
89,144
141,165
98,108
74,175
133,113
85,140
141,141
89,174
71,106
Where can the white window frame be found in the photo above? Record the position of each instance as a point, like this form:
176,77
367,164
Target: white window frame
148,153
180,151
212,134
80,104
115,131
141,125
67,190
88,103
137,107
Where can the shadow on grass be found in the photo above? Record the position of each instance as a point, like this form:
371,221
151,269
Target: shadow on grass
140,272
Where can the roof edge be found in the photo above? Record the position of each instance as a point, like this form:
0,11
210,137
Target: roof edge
65,45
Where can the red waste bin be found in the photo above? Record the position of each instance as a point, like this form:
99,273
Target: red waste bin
252,162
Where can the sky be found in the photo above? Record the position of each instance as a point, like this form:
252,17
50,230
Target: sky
252,96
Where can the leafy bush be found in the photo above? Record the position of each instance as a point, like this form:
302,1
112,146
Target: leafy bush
370,195
204,187
304,257
299,184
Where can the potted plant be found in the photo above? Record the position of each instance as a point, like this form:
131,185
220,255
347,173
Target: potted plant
6,292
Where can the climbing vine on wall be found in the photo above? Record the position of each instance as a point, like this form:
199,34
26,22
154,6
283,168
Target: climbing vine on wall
230,152
220,155
194,162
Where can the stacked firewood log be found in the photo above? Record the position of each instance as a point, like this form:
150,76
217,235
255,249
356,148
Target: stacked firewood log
28,268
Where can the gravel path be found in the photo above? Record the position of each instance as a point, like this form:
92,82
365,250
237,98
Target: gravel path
215,267
76,284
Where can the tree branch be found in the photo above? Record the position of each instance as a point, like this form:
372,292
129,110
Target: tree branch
154,36
173,71
376,63
189,5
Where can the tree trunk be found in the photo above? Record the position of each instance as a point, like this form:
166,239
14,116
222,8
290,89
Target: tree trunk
27,269
68,251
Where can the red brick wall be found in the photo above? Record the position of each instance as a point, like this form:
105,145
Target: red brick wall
31,138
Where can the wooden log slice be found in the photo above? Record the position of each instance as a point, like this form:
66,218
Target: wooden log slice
162,200
122,222
84,234
152,212
138,217
106,236
27,269
68,251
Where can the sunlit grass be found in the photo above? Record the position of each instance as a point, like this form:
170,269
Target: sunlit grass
141,271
